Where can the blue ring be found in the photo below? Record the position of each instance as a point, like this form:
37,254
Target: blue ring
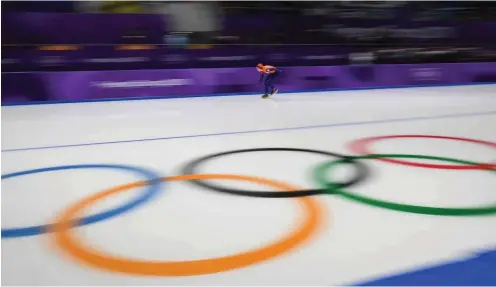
152,190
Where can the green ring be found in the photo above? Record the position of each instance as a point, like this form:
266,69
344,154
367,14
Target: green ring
320,176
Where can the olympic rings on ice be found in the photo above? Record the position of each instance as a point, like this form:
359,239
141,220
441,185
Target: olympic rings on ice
66,240
361,147
150,192
192,168
73,246
320,176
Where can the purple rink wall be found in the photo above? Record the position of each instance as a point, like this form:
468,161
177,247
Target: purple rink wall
30,87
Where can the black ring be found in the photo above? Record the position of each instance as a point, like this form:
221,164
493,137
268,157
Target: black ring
192,167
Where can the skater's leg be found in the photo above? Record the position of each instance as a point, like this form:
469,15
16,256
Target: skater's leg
271,85
267,84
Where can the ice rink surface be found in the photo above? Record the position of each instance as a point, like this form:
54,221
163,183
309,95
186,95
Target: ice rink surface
189,235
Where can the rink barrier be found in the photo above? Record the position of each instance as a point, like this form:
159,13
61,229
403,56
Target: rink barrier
86,86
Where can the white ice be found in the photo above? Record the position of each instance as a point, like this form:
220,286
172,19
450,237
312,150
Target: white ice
357,242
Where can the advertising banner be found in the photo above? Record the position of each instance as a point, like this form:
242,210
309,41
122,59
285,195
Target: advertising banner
160,57
87,85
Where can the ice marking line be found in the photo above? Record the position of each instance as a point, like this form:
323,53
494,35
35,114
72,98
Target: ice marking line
361,123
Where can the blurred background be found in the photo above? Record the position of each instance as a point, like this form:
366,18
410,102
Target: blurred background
114,35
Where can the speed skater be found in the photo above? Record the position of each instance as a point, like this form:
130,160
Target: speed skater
267,75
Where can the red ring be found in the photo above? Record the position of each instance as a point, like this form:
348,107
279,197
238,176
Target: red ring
361,147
